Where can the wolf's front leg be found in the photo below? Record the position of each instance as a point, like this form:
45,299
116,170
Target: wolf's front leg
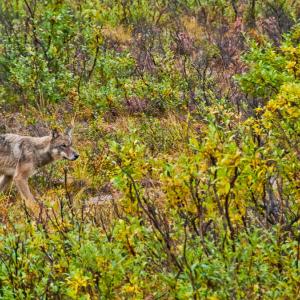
4,182
23,188
23,172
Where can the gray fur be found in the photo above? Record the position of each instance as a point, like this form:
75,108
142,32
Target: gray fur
21,156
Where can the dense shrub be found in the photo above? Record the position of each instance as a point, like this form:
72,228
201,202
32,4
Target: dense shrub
187,123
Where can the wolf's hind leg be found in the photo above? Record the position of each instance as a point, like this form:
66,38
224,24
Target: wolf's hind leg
4,182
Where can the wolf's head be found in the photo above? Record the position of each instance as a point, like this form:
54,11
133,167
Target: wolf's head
61,145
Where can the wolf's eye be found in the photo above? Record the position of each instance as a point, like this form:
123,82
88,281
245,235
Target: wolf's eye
64,146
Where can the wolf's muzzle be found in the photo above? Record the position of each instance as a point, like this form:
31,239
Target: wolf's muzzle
75,156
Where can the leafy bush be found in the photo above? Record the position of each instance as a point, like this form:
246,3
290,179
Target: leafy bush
187,186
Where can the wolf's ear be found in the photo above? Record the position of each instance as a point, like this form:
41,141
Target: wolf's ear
69,132
54,134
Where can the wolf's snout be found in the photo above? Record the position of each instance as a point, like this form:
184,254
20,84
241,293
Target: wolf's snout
75,156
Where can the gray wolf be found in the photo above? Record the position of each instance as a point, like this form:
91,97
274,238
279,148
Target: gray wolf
21,156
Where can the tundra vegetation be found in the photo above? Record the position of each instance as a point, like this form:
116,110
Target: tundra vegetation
187,121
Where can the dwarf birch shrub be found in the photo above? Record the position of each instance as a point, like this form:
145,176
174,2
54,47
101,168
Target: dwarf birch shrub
187,186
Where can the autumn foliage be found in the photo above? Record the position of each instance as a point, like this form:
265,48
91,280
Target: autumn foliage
187,121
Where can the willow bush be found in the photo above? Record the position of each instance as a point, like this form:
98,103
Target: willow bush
187,124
